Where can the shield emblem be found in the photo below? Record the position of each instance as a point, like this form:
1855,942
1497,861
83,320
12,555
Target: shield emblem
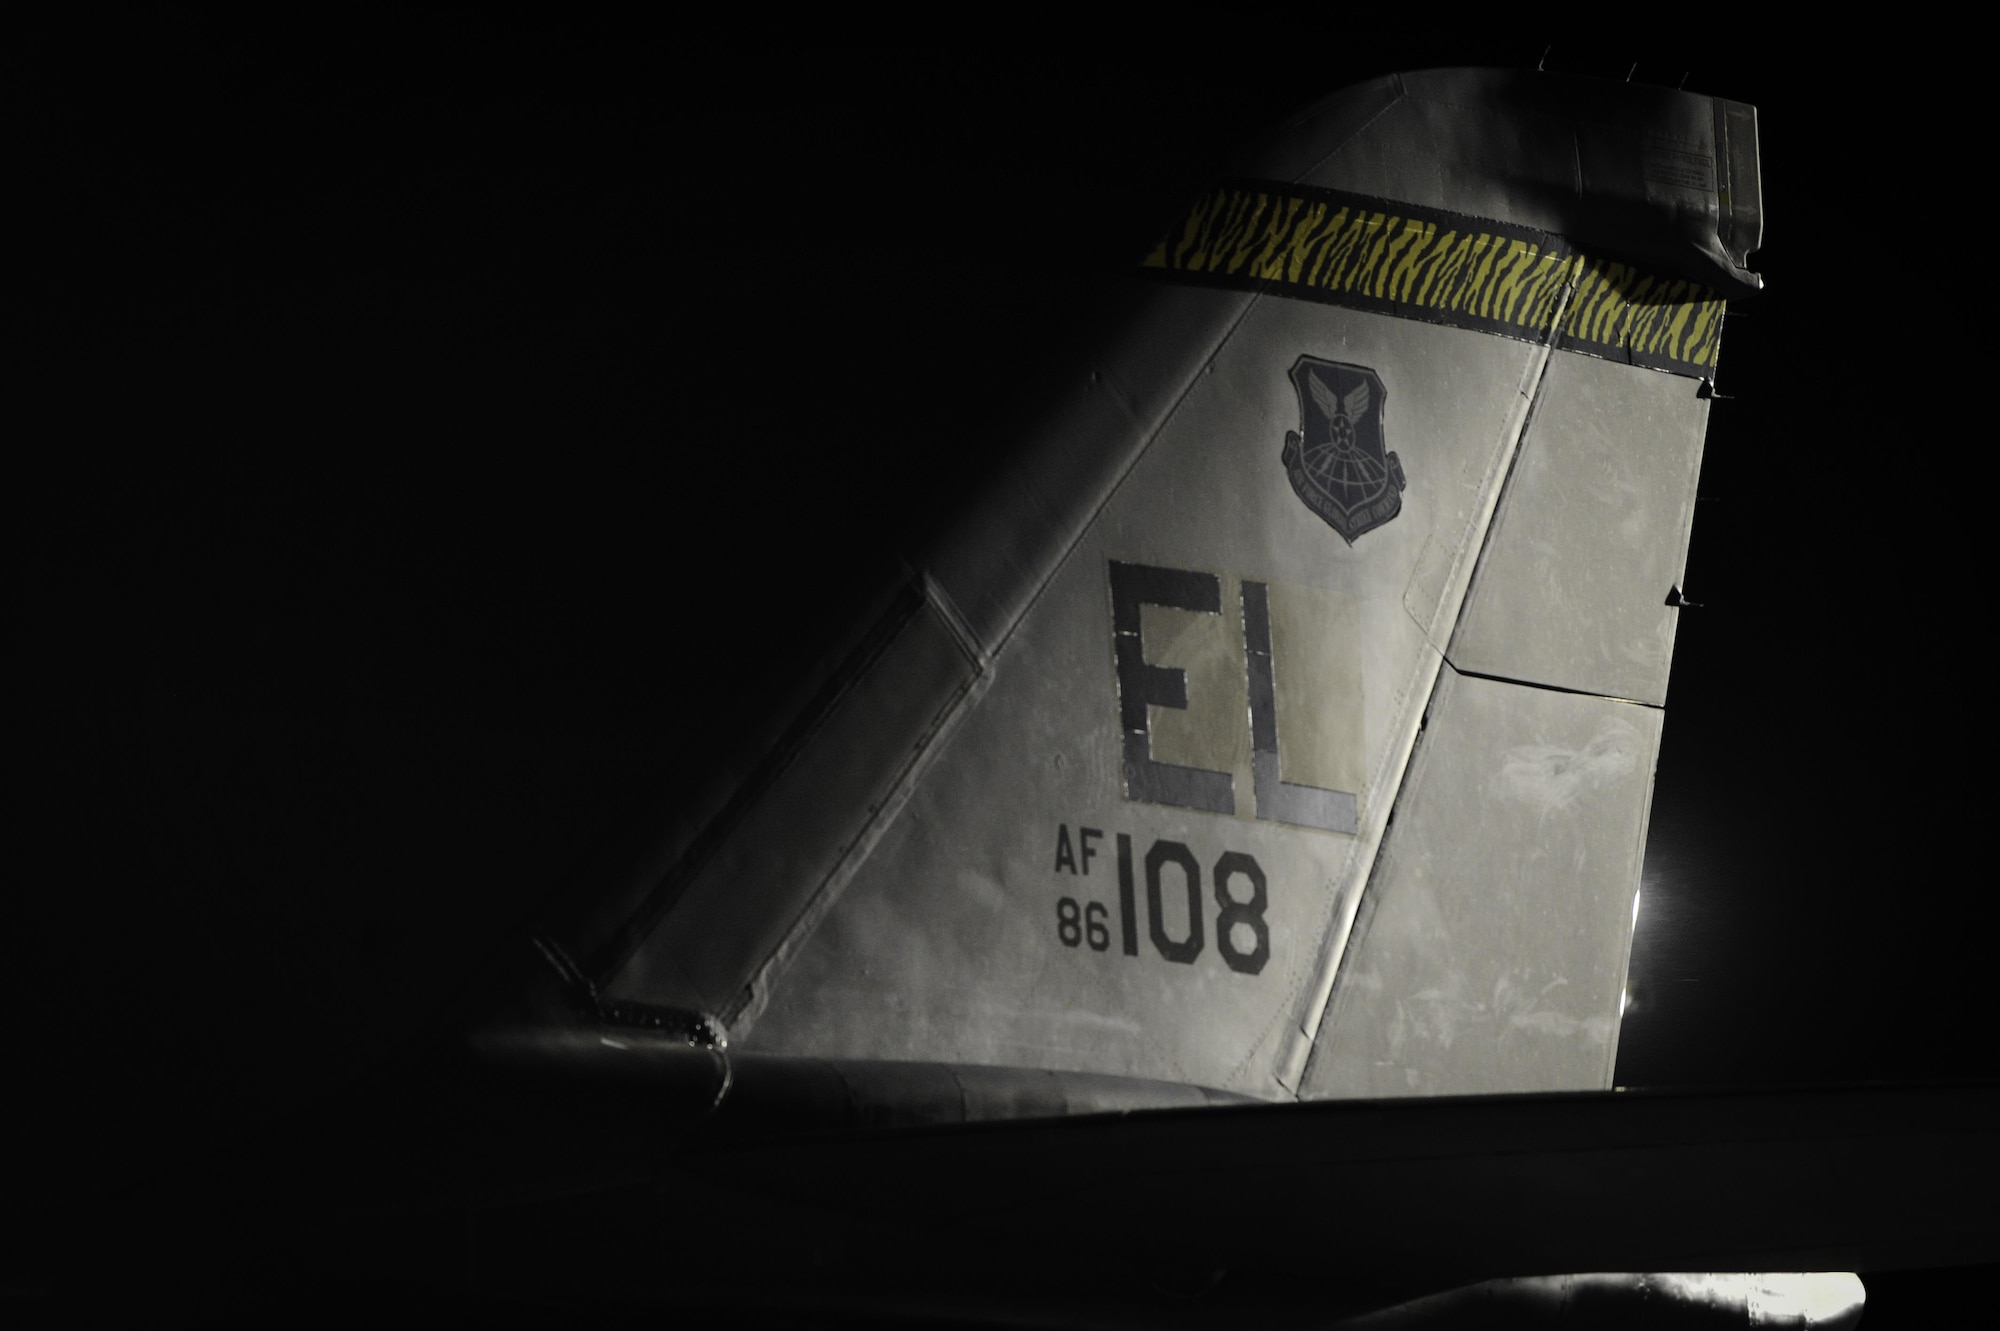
1336,459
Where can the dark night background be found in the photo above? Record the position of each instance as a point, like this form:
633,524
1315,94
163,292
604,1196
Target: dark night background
428,439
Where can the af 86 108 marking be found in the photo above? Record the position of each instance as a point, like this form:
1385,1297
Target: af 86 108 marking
1175,919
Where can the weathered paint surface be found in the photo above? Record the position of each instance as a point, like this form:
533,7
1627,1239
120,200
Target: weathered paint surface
946,945
1114,794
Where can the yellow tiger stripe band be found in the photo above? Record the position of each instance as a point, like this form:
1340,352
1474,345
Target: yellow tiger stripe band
1423,263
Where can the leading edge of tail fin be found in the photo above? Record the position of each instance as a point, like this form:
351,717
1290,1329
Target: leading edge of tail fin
1283,718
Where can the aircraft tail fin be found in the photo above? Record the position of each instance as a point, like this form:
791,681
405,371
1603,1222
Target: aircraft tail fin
1283,717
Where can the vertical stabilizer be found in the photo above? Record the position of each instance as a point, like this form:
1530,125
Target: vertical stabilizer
1283,718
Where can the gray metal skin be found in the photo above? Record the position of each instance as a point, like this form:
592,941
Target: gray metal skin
1829,1300
1486,670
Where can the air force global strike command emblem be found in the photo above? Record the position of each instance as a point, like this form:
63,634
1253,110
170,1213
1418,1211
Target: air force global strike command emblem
1335,458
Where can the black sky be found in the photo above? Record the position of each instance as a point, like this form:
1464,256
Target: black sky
433,438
